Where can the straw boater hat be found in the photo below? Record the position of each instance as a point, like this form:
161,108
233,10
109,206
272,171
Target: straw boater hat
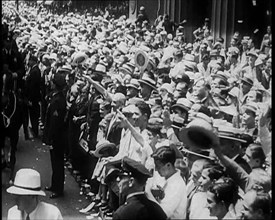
79,57
26,182
148,80
183,103
230,132
104,147
133,84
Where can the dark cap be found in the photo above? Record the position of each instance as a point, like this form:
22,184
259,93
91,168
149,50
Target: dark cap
135,169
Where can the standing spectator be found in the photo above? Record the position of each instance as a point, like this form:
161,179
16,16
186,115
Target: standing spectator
174,198
54,135
169,26
33,78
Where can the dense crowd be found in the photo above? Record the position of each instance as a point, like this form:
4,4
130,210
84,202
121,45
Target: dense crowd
188,124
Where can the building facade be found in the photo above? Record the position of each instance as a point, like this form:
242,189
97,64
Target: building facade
226,16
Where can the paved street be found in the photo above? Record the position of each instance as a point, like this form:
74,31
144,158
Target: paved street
32,154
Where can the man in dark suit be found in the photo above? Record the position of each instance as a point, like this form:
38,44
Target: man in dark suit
33,93
230,144
131,183
54,134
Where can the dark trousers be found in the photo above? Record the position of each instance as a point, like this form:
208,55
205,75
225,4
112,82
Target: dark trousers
58,175
13,135
43,110
25,120
34,111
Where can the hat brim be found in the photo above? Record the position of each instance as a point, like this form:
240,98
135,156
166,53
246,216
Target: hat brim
20,191
232,138
180,106
148,84
100,151
132,86
203,137
112,174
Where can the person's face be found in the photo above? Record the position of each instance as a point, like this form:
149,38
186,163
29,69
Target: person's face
204,180
123,184
116,104
214,207
251,60
179,112
203,49
247,211
131,92
253,163
145,90
248,117
103,111
163,93
151,136
23,202
181,90
215,83
245,87
199,90
245,46
229,99
251,96
233,42
161,168
219,48
268,64
138,118
177,59
196,170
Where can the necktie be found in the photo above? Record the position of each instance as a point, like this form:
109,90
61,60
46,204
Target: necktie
28,217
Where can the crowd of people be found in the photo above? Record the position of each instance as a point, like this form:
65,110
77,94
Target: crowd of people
172,129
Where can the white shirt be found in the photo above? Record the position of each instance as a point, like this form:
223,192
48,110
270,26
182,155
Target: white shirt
175,195
43,211
198,209
128,147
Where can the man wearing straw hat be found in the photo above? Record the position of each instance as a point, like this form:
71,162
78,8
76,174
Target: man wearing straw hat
27,188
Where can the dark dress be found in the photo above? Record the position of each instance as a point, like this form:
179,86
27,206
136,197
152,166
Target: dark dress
139,207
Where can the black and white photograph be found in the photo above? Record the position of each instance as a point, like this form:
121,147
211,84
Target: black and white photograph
136,109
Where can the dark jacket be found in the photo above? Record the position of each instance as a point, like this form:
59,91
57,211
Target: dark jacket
54,130
33,81
139,207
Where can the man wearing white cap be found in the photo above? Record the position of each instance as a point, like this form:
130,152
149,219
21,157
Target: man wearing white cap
27,188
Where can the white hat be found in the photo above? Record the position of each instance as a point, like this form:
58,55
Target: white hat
26,182
167,87
104,148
